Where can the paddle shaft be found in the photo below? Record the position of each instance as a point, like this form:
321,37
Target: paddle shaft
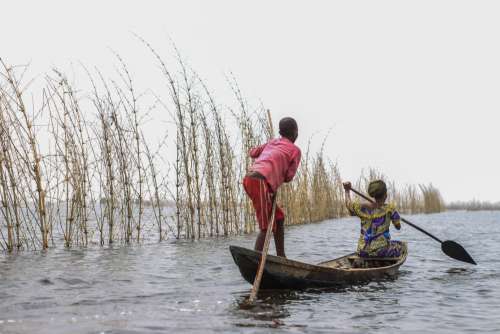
404,220
265,249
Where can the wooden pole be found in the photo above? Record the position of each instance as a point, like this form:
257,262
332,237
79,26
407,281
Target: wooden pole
267,240
262,263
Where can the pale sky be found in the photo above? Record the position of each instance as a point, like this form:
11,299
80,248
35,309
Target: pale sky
411,88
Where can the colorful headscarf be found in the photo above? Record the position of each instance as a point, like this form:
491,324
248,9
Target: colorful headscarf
377,188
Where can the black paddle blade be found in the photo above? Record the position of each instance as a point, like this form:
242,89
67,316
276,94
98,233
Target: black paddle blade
456,251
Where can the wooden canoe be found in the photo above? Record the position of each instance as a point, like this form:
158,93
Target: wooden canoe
281,273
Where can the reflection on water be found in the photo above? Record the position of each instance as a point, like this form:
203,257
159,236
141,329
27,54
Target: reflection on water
271,304
194,287
271,309
460,271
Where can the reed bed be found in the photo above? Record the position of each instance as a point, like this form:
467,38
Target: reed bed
408,199
79,169
474,205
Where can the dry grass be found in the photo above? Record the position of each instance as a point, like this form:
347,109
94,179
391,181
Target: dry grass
79,170
408,199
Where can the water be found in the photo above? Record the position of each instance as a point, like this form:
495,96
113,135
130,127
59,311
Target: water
194,287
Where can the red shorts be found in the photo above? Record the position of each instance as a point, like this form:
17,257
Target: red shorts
262,199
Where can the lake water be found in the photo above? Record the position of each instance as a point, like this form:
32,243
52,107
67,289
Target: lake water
194,287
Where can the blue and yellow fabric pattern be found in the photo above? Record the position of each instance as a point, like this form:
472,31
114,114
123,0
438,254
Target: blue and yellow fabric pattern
375,239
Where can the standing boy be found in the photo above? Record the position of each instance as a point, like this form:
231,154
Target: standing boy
274,163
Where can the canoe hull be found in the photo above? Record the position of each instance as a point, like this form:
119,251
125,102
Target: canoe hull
280,273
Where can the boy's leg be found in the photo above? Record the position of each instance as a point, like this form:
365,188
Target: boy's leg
279,238
259,242
278,229
279,232
258,193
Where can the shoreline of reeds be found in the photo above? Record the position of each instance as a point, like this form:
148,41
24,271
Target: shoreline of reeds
473,205
79,168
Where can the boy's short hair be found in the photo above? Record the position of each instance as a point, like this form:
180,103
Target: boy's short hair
288,126
377,189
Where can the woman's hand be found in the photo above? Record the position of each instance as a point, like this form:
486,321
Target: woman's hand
347,186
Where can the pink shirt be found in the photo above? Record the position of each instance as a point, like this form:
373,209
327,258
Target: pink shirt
277,161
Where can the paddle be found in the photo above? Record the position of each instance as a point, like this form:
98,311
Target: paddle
262,263
450,248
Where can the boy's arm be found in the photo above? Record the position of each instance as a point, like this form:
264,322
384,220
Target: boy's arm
294,165
256,151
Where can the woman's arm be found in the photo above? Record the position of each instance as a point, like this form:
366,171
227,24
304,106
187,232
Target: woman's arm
348,201
355,208
396,220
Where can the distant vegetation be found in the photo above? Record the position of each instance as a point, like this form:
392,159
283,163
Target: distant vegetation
409,199
473,205
78,169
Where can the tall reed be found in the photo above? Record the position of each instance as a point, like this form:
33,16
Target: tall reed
21,167
80,169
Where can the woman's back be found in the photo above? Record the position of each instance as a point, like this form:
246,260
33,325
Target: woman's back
375,222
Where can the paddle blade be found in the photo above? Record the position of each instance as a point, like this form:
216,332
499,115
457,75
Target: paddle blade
456,251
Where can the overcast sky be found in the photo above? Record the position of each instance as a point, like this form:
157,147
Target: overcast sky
411,88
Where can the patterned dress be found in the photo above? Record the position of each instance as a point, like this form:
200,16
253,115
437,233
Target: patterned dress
375,239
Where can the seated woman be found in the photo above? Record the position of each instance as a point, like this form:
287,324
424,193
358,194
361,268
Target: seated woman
375,240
